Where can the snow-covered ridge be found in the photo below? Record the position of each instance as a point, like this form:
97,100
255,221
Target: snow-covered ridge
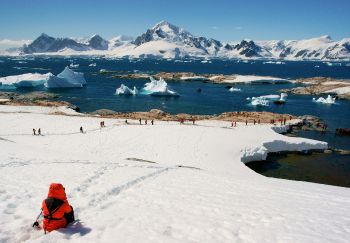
165,40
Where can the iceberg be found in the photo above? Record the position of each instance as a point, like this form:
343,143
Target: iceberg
66,79
265,100
257,101
272,62
283,97
72,65
328,100
158,88
232,89
25,80
92,64
125,90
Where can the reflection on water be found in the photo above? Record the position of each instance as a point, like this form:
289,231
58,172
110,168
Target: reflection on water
331,169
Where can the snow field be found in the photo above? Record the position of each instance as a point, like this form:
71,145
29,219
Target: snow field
120,195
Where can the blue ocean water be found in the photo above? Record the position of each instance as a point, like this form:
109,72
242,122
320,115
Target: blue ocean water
214,98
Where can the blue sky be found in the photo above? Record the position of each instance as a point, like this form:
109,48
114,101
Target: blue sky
220,19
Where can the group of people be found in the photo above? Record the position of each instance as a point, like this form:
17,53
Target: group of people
146,122
182,121
36,133
281,121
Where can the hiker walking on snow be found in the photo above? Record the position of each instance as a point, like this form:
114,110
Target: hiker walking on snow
39,131
81,130
140,121
34,131
152,122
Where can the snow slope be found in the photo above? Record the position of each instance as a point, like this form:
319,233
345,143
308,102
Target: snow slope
119,195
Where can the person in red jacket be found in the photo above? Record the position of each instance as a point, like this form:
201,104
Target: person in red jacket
56,209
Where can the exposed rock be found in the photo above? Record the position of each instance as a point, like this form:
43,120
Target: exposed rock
103,112
318,86
28,97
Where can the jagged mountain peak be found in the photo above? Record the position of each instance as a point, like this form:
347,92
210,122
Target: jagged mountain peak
326,37
44,35
165,39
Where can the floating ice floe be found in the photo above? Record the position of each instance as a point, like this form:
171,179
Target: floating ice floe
125,90
92,64
72,65
328,100
158,88
272,62
66,79
256,101
332,63
25,80
265,100
232,89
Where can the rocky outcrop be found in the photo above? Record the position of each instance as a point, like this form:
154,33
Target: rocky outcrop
321,85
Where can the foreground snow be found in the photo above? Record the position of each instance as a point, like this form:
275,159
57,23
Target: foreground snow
119,195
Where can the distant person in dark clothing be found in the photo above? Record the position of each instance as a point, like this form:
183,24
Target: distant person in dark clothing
39,131
81,130
152,122
140,121
34,131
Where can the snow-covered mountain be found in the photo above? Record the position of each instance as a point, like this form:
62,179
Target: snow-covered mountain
45,44
166,40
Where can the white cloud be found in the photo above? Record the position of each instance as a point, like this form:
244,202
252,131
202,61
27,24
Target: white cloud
238,28
6,44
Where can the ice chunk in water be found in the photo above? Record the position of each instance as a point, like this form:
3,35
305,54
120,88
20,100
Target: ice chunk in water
25,80
125,90
66,79
158,88
328,100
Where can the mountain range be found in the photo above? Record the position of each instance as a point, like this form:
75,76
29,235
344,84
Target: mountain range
166,40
